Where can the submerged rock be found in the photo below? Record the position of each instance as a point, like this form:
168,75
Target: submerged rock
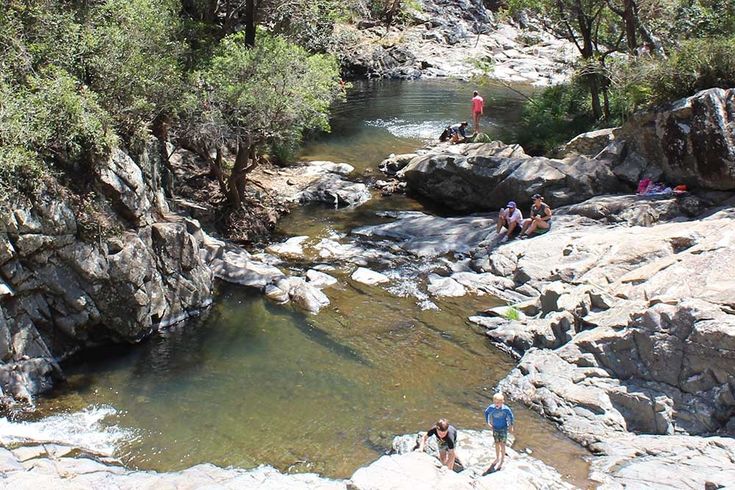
319,279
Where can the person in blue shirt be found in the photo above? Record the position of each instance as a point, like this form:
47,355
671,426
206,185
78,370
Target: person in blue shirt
500,418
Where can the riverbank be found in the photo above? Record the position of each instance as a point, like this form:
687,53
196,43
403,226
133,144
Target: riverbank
456,40
54,465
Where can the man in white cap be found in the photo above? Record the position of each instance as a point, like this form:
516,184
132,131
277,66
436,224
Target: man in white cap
510,218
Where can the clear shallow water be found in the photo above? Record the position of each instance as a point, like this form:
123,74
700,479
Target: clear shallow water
256,383
381,117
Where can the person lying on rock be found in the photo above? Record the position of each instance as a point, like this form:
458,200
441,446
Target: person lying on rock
511,219
540,220
500,418
446,438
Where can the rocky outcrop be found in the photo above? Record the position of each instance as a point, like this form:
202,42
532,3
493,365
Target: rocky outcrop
692,141
630,331
460,176
434,33
75,273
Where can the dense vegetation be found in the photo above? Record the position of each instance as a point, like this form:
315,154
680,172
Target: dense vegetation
633,54
81,77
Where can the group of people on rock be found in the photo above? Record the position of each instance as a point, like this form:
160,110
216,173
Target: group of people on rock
511,219
497,415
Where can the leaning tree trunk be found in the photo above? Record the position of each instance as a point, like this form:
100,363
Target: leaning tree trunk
240,170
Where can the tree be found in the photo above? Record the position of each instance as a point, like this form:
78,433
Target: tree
588,24
247,97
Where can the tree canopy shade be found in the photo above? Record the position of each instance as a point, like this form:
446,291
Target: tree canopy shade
246,97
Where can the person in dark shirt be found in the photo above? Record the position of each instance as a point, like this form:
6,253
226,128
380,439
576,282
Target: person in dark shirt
456,133
540,220
446,438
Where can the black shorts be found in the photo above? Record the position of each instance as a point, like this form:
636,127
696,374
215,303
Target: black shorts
516,231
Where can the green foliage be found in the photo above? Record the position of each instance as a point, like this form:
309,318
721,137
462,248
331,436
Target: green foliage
50,118
512,313
308,23
698,65
553,117
135,60
270,93
704,18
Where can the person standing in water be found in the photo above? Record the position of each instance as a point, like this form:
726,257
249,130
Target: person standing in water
478,109
500,418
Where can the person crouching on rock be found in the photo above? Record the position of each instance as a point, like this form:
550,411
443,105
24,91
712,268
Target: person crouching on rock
510,218
446,438
500,418
540,220
456,133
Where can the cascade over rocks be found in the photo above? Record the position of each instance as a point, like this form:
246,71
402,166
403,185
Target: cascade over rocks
464,28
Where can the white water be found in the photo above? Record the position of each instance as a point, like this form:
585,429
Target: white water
84,429
401,128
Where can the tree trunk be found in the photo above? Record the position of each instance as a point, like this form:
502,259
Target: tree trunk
166,179
237,180
250,22
594,85
629,16
216,171
391,13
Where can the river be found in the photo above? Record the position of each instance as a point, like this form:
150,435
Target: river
253,383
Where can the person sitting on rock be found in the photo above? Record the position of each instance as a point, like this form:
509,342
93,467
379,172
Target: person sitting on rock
500,418
510,218
539,221
446,438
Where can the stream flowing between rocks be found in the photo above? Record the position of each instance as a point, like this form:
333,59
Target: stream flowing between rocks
252,382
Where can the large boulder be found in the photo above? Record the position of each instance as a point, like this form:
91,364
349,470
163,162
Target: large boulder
692,140
482,176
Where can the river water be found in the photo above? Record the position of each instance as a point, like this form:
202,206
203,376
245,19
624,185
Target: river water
254,383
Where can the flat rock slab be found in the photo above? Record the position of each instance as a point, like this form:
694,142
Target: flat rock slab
429,236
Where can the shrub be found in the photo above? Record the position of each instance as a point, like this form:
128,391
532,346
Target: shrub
698,65
553,117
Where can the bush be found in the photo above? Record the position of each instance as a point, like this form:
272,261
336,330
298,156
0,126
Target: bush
553,117
699,64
